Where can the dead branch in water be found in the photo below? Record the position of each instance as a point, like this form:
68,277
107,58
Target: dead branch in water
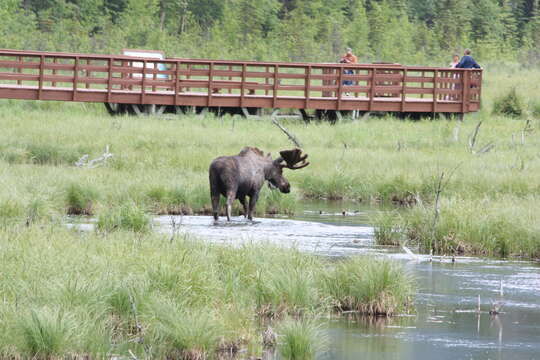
291,137
441,185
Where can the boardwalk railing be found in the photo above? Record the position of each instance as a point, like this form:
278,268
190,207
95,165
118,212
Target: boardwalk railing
208,83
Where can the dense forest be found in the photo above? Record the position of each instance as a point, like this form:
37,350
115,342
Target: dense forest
406,31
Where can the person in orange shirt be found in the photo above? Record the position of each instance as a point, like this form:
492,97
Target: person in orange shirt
348,58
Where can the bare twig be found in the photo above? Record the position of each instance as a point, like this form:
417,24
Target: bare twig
472,138
132,354
441,185
291,137
486,148
175,227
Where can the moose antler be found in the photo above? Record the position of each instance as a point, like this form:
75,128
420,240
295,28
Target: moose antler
293,157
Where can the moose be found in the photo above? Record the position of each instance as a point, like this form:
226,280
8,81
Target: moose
243,175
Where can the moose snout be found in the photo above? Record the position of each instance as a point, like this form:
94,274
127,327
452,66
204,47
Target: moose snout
285,188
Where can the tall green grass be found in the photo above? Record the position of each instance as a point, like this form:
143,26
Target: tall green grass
67,293
508,227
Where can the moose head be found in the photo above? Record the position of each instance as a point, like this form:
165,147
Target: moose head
289,159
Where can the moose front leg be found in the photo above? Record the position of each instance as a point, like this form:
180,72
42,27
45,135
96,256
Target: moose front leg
252,202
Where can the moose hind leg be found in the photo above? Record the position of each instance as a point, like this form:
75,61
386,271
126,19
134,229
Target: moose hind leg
252,202
245,205
215,206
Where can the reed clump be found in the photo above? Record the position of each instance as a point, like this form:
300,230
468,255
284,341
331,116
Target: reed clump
300,339
368,286
81,200
126,217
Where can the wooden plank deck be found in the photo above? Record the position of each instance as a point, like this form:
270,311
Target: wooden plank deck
208,83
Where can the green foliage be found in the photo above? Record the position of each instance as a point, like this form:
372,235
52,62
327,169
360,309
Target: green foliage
81,199
510,104
407,31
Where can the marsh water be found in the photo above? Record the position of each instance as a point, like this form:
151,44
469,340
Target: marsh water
447,323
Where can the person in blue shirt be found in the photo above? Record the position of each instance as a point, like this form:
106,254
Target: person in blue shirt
467,61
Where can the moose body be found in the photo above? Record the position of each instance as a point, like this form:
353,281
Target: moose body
243,175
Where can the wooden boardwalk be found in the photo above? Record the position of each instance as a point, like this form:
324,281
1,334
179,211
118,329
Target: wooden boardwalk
197,83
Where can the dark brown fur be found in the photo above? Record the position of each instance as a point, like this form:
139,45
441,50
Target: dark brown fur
243,175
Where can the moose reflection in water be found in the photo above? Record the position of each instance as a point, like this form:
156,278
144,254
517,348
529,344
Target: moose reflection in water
243,175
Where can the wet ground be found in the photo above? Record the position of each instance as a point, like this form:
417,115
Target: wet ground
447,324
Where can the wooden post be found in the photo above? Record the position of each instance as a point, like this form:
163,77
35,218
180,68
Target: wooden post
55,61
210,81
154,75
480,88
465,99
88,73
435,94
40,86
75,78
177,83
403,90
188,76
307,85
230,78
242,85
109,81
143,82
19,69
372,89
276,83
422,84
340,88
266,80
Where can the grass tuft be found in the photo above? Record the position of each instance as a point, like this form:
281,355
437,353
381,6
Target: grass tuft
510,104
300,339
45,333
369,286
126,217
188,334
80,199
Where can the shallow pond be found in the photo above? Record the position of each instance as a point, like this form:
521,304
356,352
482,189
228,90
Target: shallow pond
446,325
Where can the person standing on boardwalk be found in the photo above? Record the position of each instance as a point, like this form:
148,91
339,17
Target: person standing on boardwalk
467,61
455,61
348,58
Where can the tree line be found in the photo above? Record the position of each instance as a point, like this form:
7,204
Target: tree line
406,31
